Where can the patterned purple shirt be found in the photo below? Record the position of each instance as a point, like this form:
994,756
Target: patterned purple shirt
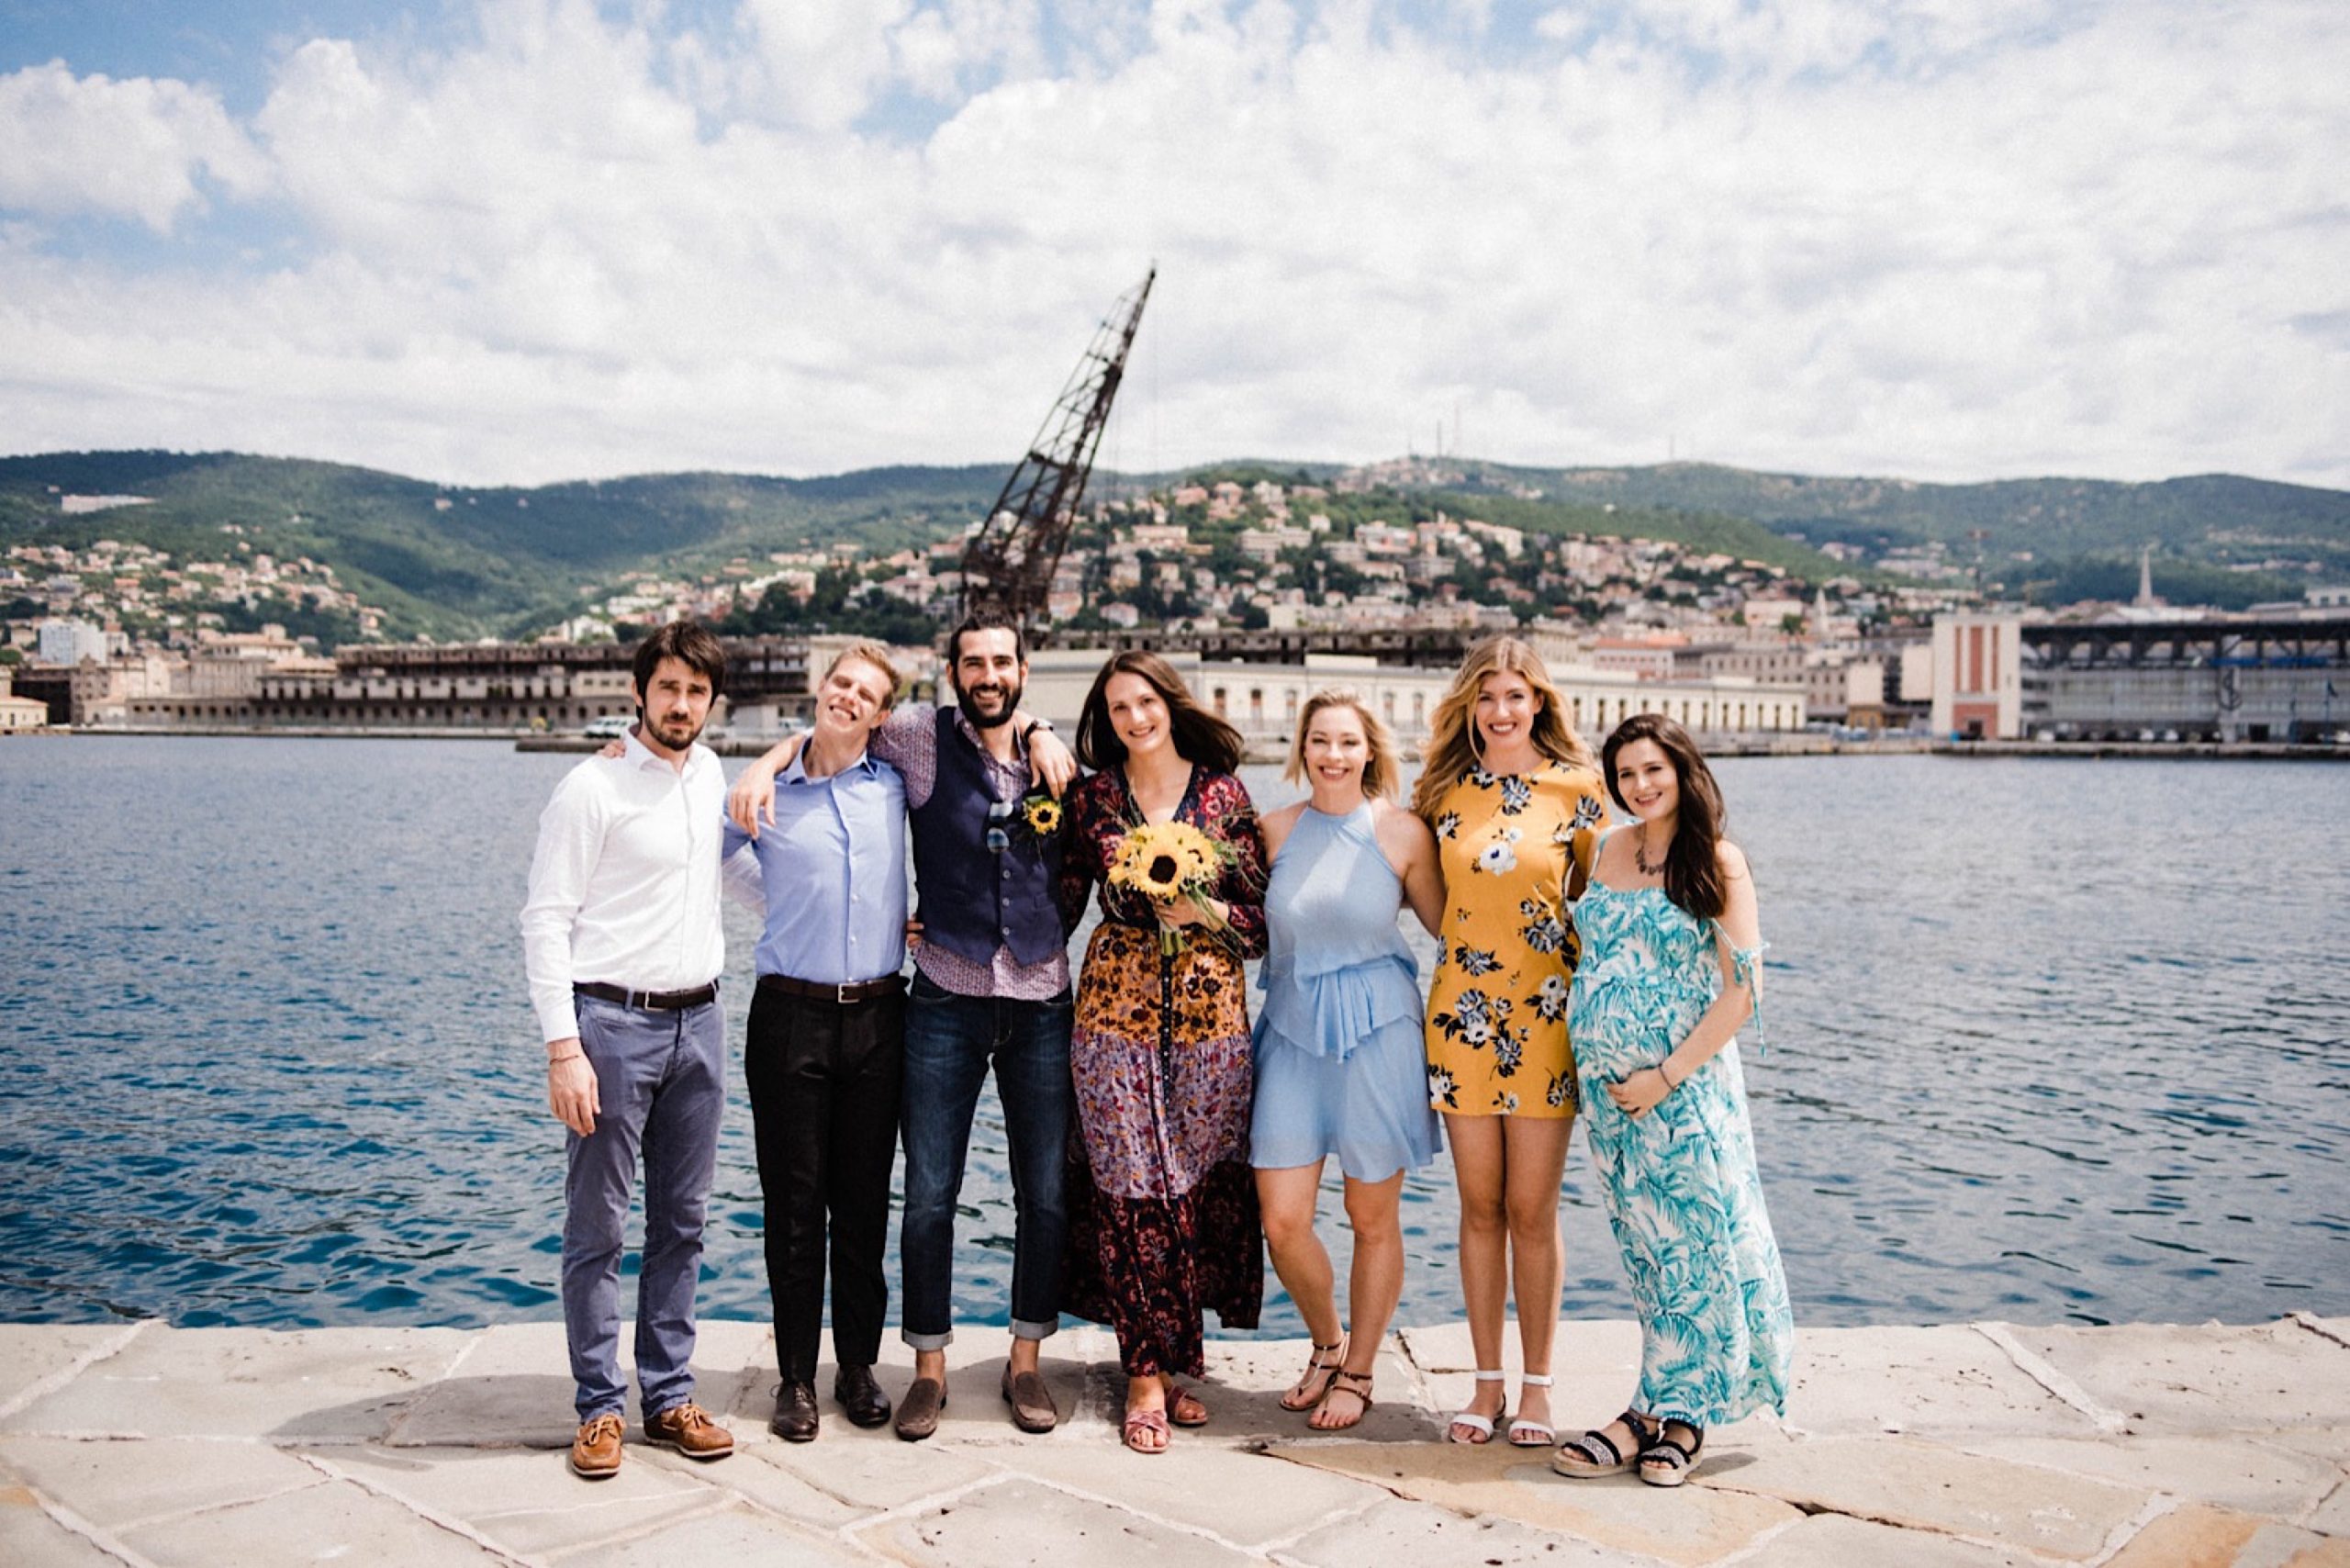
907,742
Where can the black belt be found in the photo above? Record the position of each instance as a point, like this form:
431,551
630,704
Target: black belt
842,994
656,1001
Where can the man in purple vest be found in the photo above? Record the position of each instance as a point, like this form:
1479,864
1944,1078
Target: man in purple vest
991,986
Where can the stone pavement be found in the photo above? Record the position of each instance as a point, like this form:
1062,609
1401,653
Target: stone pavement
1952,1447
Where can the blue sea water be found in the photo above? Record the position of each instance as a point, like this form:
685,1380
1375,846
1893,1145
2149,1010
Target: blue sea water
2051,1041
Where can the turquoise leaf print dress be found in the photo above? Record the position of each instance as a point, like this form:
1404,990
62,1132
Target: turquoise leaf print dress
1682,1195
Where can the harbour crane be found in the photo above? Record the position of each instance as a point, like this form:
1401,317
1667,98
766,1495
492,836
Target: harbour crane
1008,565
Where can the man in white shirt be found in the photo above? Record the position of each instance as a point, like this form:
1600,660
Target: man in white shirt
620,938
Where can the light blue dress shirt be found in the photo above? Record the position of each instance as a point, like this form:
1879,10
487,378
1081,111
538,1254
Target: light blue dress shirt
833,867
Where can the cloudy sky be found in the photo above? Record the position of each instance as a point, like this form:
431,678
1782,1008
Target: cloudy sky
515,240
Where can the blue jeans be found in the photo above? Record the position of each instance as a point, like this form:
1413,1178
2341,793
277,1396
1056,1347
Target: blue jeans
661,1078
950,1042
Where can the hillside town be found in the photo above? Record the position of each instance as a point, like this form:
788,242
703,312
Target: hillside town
1259,571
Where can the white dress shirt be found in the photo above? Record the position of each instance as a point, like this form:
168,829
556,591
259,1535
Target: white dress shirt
624,887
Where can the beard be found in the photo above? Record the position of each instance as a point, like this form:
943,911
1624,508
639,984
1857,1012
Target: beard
981,720
676,733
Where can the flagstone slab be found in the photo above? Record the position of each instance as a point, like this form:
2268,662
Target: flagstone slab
29,1536
1835,1539
1422,1534
1690,1526
1935,1382
2174,1378
1246,1378
115,1483
750,1475
2233,1471
1019,1523
2333,1516
732,1535
525,1501
512,1388
298,1385
1920,1486
869,1470
2196,1536
1595,1363
340,1521
1247,1498
32,1354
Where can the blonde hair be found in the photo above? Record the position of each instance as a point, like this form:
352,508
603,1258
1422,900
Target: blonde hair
868,652
1451,750
1383,771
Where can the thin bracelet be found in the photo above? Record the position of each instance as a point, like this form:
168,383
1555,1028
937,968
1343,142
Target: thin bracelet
1669,1085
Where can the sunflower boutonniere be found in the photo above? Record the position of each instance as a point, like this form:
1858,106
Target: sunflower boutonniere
1043,815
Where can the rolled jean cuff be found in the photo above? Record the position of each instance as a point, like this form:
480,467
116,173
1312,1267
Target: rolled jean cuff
1044,1330
927,1341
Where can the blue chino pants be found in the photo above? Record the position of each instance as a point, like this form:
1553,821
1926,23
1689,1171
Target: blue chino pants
662,1081
951,1041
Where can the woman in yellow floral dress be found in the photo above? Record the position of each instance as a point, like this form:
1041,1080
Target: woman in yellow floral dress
1506,787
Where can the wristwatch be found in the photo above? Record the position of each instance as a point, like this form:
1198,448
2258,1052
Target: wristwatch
1034,725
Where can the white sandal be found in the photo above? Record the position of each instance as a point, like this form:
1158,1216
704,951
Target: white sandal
1481,1424
1537,1434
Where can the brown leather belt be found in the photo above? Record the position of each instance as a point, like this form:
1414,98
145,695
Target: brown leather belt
656,1001
841,995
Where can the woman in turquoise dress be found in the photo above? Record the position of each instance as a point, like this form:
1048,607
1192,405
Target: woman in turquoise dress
1339,1066
1671,970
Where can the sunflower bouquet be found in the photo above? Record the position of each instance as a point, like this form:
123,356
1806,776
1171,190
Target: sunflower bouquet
1169,860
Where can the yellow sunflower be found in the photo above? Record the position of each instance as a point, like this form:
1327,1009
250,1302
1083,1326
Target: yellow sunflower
1044,815
1164,860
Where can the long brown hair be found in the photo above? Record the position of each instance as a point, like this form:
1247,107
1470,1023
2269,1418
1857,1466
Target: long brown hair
1692,868
1451,750
1200,736
1382,774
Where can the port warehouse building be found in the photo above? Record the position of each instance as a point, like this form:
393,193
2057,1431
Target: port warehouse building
1258,682
2264,677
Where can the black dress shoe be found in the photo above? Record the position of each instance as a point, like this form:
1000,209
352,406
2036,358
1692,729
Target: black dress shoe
795,1412
861,1396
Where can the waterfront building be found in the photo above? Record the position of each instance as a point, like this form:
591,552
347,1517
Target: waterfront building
69,643
2250,678
21,713
1263,700
1978,676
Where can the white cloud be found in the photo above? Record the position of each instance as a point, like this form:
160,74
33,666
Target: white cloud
1967,242
72,145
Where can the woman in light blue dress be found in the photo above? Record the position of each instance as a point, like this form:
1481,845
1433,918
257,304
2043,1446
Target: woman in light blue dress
1671,958
1339,1064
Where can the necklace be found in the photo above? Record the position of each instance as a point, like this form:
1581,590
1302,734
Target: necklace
1640,856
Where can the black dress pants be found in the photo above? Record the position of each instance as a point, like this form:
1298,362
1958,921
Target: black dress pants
825,1078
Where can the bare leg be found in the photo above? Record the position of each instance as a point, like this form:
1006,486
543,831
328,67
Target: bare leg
1535,1157
1373,1286
1285,1199
1478,1167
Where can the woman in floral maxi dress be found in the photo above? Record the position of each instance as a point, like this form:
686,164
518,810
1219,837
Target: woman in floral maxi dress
1168,1223
1670,950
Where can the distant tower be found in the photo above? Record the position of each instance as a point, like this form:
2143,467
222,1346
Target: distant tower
2146,599
1009,563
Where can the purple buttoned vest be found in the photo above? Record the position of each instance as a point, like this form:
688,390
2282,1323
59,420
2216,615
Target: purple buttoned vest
975,900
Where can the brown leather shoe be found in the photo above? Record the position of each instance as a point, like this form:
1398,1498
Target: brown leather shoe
1031,1402
596,1452
688,1429
795,1412
918,1411
860,1396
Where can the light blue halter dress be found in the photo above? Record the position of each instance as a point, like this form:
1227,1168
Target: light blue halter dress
1681,1193
1340,1067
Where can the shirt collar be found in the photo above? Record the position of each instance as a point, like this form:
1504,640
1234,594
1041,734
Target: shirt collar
638,755
797,773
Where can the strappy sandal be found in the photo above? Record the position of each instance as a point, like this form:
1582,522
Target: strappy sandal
1183,1407
1355,1384
1481,1424
1666,1463
1317,1373
1582,1457
1536,1434
1137,1423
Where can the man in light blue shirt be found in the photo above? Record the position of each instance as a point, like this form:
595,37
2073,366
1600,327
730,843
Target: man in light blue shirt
824,1051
